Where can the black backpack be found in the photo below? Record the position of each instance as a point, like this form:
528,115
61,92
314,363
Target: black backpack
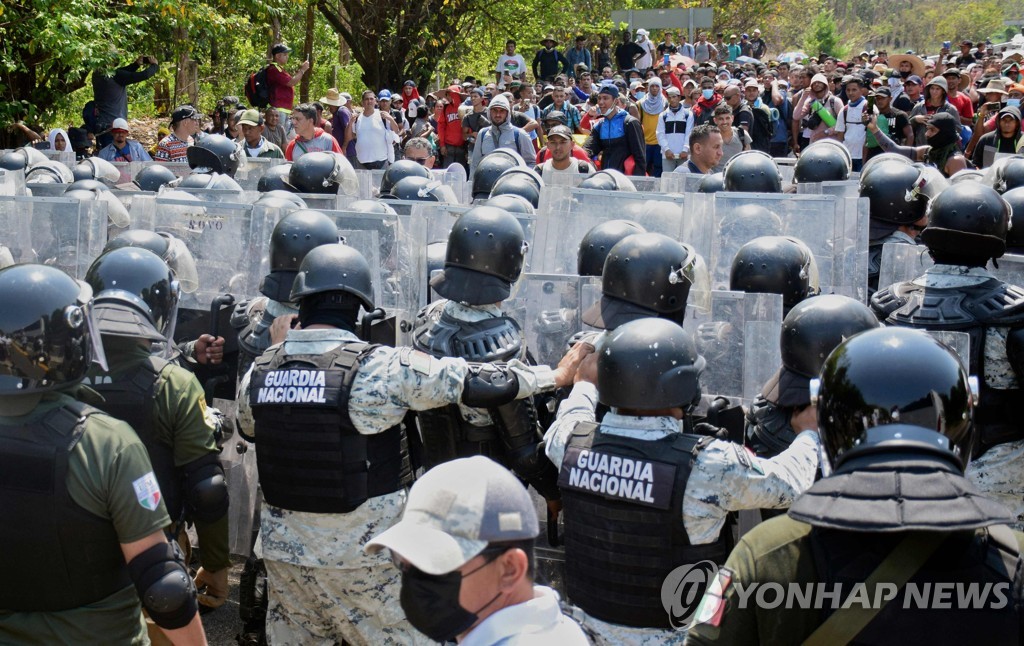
257,89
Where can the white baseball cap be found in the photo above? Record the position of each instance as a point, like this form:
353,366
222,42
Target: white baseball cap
119,124
454,511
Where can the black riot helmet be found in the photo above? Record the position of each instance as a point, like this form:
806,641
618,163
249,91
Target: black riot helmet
512,204
151,178
823,161
320,172
599,241
649,363
135,294
13,160
485,255
524,182
1011,174
294,236
209,181
490,168
646,274
279,199
811,330
170,249
775,265
92,185
376,207
894,389
215,154
421,189
753,171
276,179
334,269
711,183
967,224
749,221
609,179
45,342
1015,236
888,186
399,170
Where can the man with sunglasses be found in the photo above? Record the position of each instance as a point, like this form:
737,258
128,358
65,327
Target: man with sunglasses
420,151
466,557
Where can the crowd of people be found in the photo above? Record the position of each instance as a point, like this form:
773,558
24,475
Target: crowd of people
399,486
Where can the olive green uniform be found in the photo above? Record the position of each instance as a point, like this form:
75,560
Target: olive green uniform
780,550
102,468
181,421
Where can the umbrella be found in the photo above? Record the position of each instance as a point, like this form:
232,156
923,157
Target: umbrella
791,57
678,59
747,59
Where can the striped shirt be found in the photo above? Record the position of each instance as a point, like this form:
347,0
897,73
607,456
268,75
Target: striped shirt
171,149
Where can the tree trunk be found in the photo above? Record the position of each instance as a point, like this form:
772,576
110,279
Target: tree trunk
307,50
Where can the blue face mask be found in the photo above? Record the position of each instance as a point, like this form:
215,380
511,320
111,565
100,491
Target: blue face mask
757,102
1015,102
707,93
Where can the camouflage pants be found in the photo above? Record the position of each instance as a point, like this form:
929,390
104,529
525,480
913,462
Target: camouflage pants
325,606
999,473
602,633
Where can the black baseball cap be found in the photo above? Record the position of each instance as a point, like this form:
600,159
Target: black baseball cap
280,48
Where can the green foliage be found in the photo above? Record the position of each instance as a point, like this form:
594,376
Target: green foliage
823,36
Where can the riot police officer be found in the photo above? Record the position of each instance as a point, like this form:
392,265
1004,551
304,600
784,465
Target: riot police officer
484,258
642,498
325,410
810,331
752,171
646,274
894,219
775,265
894,414
598,242
84,539
294,236
967,226
135,302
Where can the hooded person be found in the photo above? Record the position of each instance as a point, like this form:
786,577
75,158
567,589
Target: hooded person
1001,141
501,133
52,138
814,122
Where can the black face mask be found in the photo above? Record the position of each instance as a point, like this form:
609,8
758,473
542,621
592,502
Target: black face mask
431,603
906,74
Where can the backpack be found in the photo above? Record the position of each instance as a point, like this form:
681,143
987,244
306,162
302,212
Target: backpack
257,89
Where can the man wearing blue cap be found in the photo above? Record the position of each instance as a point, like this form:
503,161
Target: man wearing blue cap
618,138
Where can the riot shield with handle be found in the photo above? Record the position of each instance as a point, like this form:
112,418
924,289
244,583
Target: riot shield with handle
902,262
547,307
63,232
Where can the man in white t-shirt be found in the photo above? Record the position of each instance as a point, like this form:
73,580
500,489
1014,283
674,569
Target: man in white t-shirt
850,128
646,61
560,143
510,62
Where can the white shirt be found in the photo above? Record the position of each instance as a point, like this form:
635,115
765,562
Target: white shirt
538,621
514,65
856,132
373,143
647,60
548,170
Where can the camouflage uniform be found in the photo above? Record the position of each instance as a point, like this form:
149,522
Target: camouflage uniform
999,472
726,477
322,587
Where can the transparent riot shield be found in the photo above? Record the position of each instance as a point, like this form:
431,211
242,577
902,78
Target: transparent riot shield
547,307
46,190
1010,269
393,244
565,180
128,171
902,262
181,169
646,184
811,218
66,157
454,177
958,342
844,188
787,168
12,182
249,174
697,228
850,268
61,232
227,242
721,335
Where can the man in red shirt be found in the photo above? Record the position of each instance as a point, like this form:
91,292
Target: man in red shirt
962,102
309,138
451,141
282,84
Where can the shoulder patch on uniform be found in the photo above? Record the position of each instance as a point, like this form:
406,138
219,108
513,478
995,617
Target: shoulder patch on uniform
712,605
420,362
747,458
147,491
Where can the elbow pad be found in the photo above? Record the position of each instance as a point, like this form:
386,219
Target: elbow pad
206,489
489,385
164,586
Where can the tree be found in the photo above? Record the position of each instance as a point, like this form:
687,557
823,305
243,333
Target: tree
823,36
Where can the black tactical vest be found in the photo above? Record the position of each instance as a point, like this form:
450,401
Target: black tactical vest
972,310
57,555
129,397
988,558
446,435
623,505
310,456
